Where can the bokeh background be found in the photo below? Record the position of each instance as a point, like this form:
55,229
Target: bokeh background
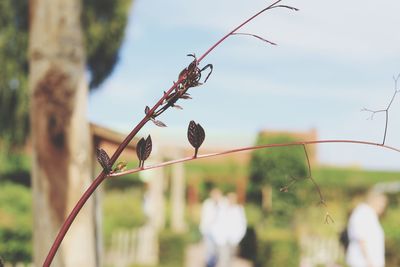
331,61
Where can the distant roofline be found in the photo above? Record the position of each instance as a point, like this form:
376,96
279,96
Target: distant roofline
99,132
312,131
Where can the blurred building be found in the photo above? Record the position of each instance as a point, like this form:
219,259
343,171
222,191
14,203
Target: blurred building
233,168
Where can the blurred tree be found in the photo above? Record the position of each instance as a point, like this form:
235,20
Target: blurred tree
14,107
103,23
62,147
273,168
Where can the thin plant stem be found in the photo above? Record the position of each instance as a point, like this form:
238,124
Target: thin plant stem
67,223
271,6
328,217
255,36
386,110
101,177
310,176
250,148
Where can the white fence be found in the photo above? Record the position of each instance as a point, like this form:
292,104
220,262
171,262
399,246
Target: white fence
19,264
133,246
320,251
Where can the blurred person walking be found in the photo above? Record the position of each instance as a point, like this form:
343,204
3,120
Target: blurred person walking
210,212
366,237
229,229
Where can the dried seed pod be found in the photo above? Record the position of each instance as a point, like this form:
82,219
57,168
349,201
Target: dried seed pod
196,135
146,110
143,149
104,160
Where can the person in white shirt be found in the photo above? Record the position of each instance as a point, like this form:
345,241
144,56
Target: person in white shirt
366,237
210,210
228,230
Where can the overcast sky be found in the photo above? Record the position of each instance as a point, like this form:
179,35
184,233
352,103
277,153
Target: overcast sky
333,58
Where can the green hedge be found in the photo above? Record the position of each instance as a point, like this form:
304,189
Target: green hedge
15,223
274,253
172,249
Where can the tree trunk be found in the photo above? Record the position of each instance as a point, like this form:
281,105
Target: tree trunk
60,133
266,198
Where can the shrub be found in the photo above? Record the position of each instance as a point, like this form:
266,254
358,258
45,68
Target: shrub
15,223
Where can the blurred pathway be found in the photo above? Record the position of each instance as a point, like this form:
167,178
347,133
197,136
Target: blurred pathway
195,257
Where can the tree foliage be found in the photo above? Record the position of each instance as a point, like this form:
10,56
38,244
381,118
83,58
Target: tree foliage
15,223
276,167
103,24
14,117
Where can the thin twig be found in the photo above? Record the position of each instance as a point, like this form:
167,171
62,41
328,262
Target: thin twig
250,148
386,110
271,6
308,161
286,187
285,6
255,36
101,177
310,176
328,217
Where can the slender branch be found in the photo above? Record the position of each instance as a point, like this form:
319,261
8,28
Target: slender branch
100,178
285,6
373,112
310,176
308,161
285,188
386,110
328,217
67,223
250,148
255,36
386,125
271,6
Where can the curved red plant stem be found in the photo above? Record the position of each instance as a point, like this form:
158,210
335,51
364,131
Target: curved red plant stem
249,148
67,223
101,177
235,29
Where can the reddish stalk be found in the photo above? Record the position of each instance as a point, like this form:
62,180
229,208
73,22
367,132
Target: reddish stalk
250,148
271,6
328,217
101,177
